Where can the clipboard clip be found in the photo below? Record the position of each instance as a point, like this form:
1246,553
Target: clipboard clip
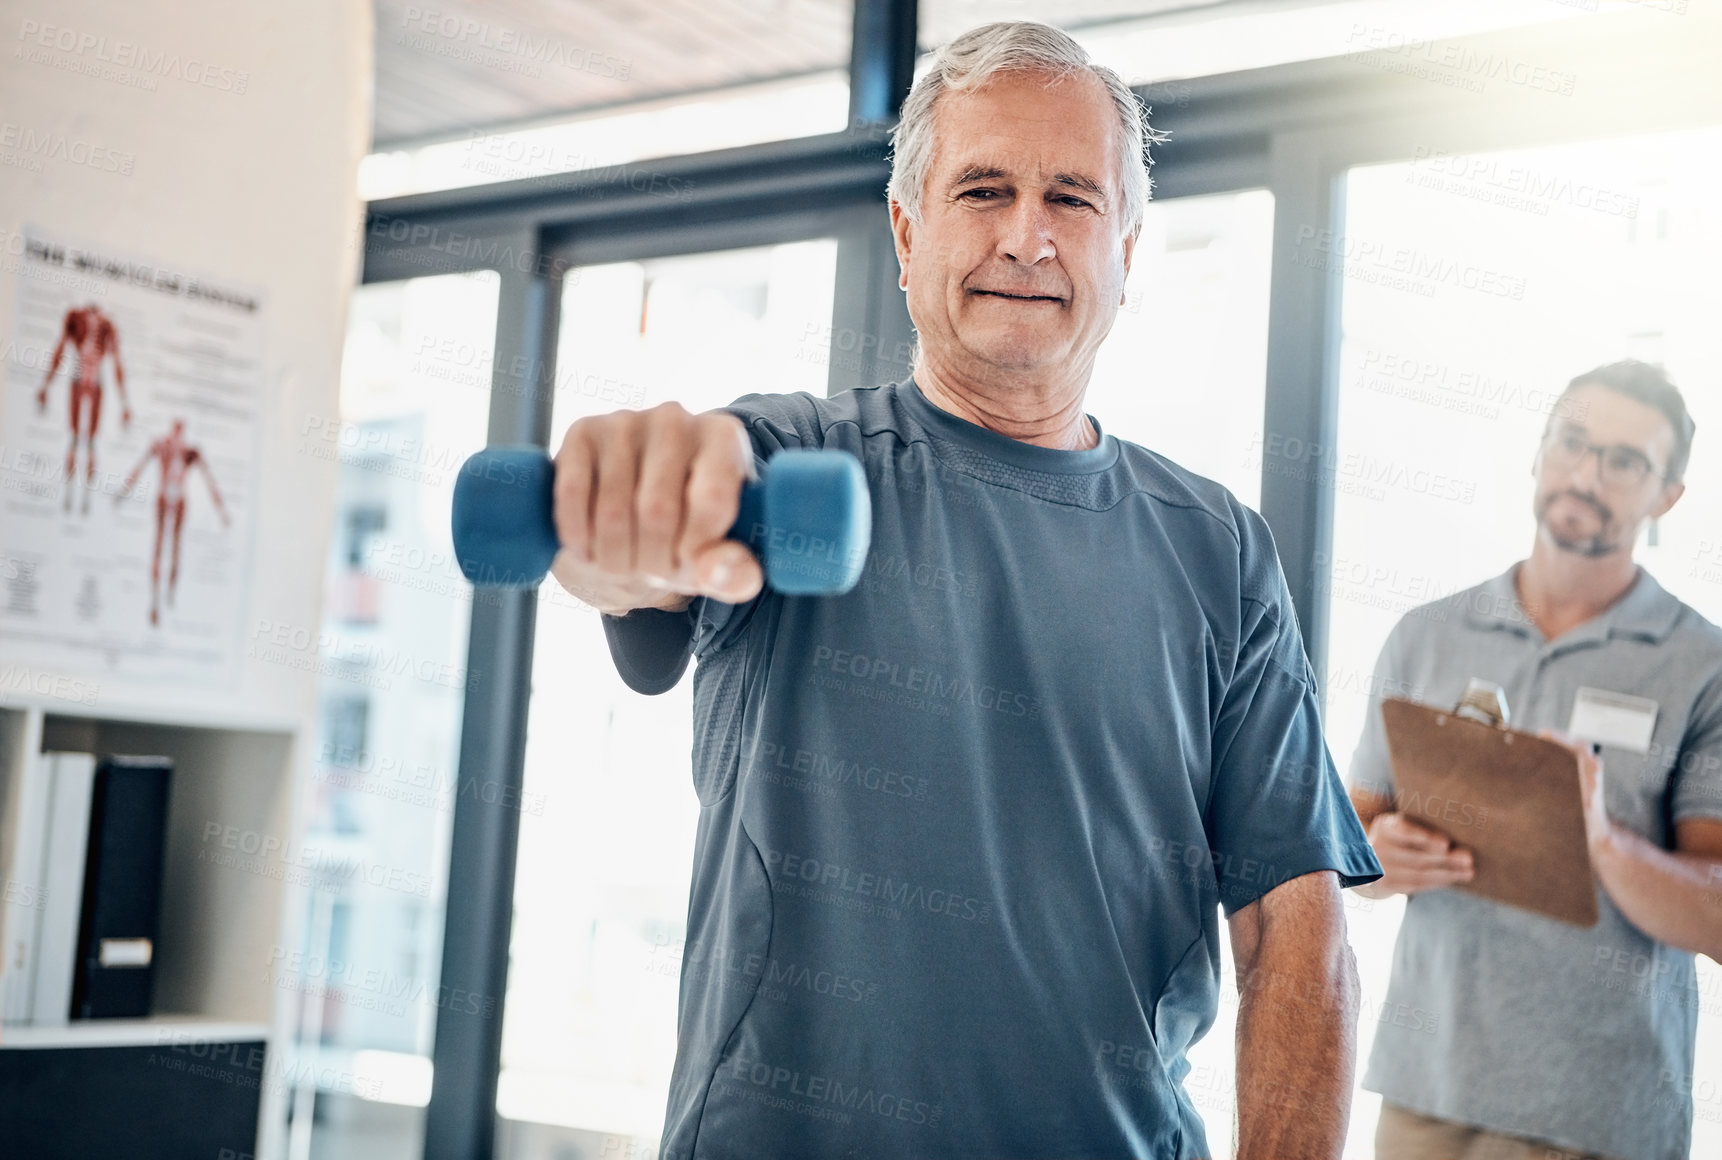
1485,702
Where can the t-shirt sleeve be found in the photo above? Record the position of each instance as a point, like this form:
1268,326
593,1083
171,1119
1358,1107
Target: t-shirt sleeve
651,648
1698,774
1371,769
1278,809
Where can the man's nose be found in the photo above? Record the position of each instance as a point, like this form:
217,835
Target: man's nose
1587,472
1027,234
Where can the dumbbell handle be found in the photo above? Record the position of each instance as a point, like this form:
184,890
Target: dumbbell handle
808,518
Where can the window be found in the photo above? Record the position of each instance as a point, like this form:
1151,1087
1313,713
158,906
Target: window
415,389
607,824
1184,371
1474,288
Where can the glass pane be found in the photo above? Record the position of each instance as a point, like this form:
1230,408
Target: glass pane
1474,289
415,391
468,96
607,828
1184,370
1184,373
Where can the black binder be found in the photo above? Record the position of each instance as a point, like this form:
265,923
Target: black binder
117,929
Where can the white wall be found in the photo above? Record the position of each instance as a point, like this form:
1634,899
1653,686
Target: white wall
257,187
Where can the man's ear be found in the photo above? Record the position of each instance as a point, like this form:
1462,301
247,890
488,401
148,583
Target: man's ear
900,233
1129,254
1670,496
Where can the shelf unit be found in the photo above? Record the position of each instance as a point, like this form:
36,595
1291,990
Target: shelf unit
227,884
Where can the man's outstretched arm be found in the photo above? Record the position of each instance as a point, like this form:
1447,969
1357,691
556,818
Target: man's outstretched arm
1297,1017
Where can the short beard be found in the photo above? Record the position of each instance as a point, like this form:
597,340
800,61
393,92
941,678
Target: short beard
1590,547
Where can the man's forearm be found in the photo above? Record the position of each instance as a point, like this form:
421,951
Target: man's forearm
1297,1018
1672,897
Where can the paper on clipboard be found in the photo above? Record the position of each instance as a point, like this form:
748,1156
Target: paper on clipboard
1512,798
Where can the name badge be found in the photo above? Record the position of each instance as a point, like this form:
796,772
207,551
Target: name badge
1613,719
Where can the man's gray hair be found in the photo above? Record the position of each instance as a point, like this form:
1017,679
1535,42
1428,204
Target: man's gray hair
970,61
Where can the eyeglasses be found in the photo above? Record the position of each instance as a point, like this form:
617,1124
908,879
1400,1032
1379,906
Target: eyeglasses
1617,466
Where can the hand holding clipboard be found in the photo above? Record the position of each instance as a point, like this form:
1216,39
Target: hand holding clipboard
1513,798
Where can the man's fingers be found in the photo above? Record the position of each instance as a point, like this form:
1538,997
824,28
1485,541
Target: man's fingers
728,572
660,502
1405,858
613,503
643,503
1431,879
572,506
722,464
1406,832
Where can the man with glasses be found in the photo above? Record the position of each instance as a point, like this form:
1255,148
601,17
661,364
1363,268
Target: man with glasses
1544,1039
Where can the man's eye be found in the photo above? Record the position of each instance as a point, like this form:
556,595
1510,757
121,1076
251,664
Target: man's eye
1573,444
1626,462
1076,201
978,193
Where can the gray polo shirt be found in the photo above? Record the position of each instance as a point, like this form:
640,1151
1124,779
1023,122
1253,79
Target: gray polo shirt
1533,1027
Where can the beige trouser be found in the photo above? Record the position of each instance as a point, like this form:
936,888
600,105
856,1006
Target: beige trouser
1405,1135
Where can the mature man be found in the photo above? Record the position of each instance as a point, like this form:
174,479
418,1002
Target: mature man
966,830
1554,1040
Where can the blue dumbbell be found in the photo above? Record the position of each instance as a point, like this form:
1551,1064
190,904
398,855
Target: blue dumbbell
808,518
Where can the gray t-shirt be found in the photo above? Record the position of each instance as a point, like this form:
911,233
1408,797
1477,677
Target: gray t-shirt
967,830
1530,1026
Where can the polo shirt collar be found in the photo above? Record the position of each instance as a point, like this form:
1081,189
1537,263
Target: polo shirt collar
1647,612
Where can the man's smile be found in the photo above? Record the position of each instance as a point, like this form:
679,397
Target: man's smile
1018,297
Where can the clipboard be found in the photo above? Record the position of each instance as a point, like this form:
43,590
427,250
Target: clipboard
1512,797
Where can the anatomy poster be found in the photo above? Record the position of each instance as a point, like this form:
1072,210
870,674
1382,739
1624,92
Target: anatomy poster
128,466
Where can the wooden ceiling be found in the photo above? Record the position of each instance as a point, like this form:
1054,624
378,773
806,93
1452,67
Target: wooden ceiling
445,67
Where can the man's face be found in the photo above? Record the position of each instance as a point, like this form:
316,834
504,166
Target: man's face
1018,262
1587,507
